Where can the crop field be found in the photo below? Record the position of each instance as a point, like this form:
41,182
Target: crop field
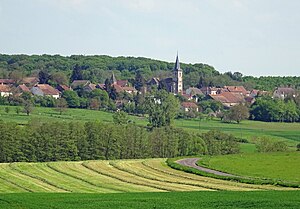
278,166
157,200
149,175
287,132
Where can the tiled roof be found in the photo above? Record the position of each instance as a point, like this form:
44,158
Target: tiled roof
4,88
47,89
24,88
7,81
122,83
239,89
30,80
228,97
189,105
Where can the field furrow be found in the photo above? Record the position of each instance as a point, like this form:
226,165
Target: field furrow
105,167
28,183
113,176
77,170
43,172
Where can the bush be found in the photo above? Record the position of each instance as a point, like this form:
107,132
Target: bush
298,147
266,144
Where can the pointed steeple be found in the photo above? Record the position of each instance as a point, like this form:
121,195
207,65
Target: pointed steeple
177,64
113,79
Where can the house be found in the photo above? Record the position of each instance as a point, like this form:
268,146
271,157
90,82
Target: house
79,83
253,93
62,88
282,93
5,90
210,90
153,82
7,81
189,106
194,93
129,89
228,99
23,88
236,89
30,81
45,90
122,83
89,87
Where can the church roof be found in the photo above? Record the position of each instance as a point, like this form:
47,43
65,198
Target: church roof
113,79
177,64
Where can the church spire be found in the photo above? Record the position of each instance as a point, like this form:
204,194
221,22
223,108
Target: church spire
177,65
113,79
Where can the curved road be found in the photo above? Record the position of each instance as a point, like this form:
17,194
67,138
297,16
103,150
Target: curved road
192,162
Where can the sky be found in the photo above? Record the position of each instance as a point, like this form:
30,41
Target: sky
254,37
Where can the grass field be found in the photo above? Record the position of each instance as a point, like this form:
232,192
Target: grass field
288,132
116,176
278,166
174,200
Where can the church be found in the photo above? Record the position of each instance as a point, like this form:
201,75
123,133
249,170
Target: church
173,84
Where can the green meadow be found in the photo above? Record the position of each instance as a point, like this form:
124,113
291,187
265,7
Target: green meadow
287,132
173,200
279,166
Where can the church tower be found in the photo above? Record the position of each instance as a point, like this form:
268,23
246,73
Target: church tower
178,77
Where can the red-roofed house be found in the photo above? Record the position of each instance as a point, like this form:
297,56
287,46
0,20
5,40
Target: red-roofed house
5,90
228,99
284,92
45,90
7,81
62,88
122,83
236,89
23,88
189,106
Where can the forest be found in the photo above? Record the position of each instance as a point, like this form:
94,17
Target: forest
71,141
97,68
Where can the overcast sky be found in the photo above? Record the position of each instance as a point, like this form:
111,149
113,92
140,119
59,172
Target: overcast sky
254,37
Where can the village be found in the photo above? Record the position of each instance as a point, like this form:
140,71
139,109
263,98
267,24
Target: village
190,97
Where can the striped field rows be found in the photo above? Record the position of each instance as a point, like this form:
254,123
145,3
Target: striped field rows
115,176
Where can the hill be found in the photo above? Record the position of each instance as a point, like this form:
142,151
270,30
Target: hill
97,68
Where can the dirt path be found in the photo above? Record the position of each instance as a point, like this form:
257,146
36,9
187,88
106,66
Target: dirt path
191,162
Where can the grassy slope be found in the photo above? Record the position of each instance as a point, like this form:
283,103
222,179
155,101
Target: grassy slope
174,200
279,166
288,132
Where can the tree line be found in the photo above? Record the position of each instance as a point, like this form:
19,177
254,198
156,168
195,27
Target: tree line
56,69
59,141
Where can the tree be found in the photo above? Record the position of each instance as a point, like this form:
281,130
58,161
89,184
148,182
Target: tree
139,81
28,107
72,98
161,107
59,78
61,105
120,118
238,113
44,76
77,73
94,104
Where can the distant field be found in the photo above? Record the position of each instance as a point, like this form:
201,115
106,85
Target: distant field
115,176
278,166
173,200
288,132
